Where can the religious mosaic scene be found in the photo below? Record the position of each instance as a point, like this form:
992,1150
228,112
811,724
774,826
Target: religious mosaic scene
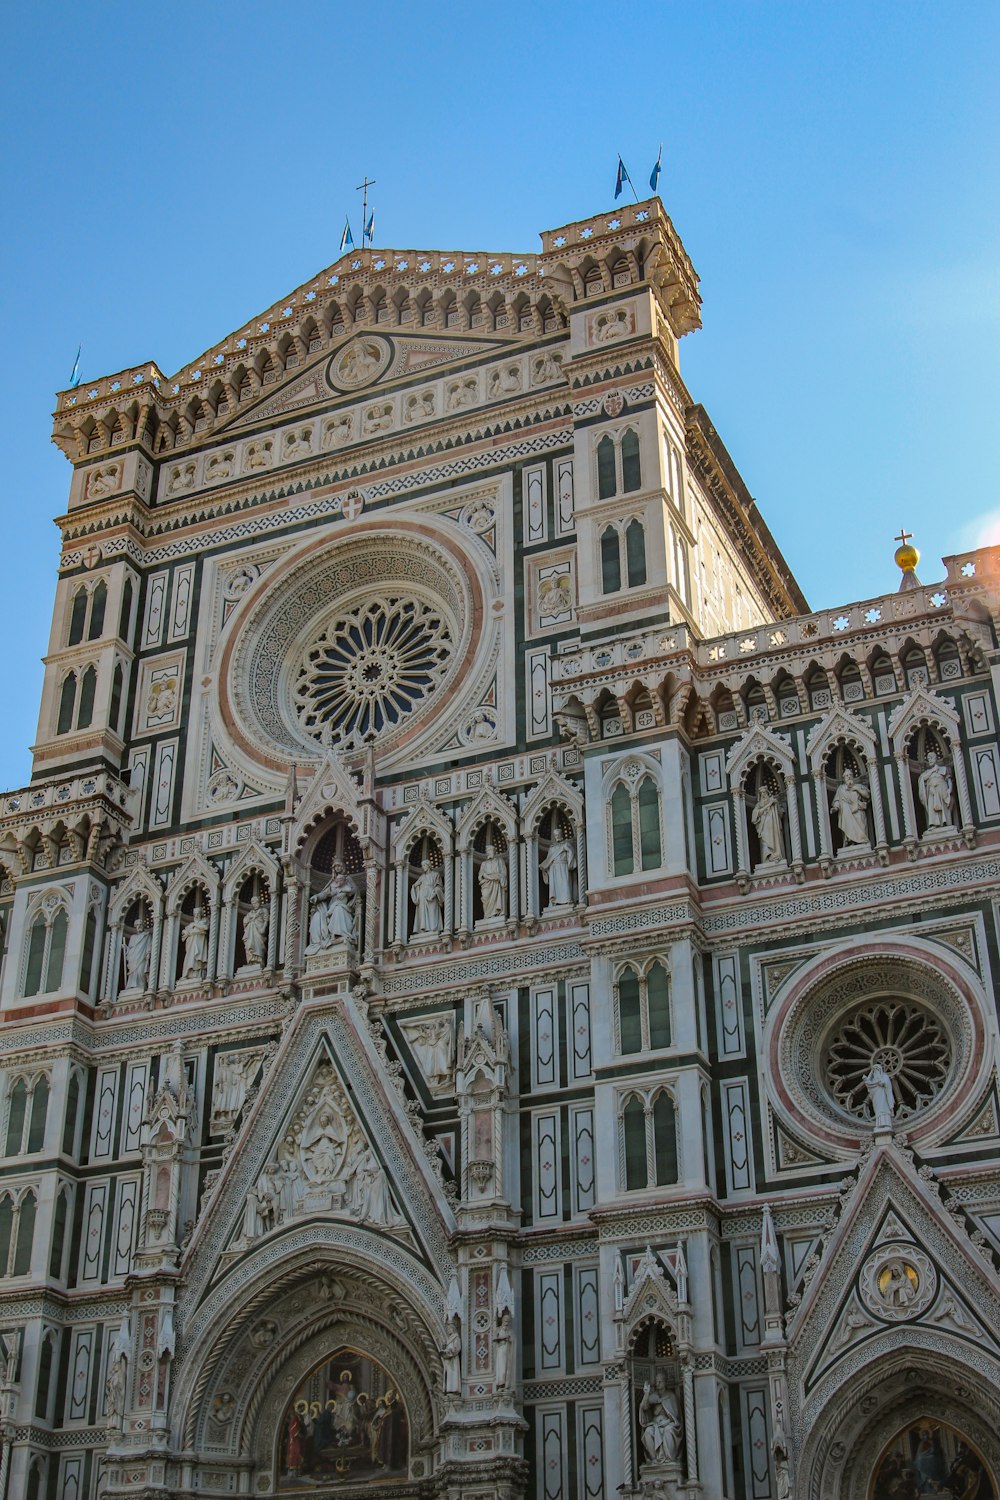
498,994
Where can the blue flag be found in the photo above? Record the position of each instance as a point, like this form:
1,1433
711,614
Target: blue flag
620,179
654,175
346,239
369,233
74,379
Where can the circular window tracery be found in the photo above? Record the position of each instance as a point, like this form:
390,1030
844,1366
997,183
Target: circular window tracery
369,668
905,1038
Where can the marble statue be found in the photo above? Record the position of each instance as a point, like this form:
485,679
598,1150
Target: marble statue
195,940
332,917
898,1289
849,804
137,954
766,819
503,1341
935,791
427,895
493,883
883,1101
557,867
451,1356
255,925
114,1400
659,1421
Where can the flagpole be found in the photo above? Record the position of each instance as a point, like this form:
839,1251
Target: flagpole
631,184
362,188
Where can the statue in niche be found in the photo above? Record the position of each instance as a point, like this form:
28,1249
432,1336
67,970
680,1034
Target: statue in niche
935,790
451,1355
195,940
433,1044
332,919
137,954
114,1398
427,895
255,925
883,1101
502,1343
493,883
766,819
557,868
850,802
659,1422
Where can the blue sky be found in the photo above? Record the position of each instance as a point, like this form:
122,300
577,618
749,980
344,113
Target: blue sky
832,169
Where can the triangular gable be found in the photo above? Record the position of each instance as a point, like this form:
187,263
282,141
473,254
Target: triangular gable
406,355
327,1115
921,707
840,724
895,1258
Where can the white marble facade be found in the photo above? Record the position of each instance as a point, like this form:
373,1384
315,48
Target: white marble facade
497,997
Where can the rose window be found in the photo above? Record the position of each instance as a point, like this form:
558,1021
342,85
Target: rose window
908,1041
371,666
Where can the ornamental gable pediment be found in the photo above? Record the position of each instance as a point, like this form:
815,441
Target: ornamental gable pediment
897,1263
325,1142
367,360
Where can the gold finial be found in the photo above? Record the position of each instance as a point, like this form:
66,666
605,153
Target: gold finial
907,558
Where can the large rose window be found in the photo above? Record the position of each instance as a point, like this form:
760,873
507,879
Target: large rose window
369,668
903,1038
363,636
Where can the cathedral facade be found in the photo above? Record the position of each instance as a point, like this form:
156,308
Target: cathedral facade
498,996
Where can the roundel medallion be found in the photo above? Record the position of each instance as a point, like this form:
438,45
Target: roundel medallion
360,362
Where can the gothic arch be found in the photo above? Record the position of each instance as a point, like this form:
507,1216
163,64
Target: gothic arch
901,1375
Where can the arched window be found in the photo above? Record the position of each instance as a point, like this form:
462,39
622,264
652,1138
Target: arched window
606,471
6,1230
649,1141
89,951
39,1110
59,1220
57,950
17,1106
634,1127
635,554
98,605
643,1008
619,465
67,700
37,934
45,1362
621,830
631,468
648,802
24,1234
78,617
72,1111
664,1139
46,948
88,691
611,566
117,689
635,826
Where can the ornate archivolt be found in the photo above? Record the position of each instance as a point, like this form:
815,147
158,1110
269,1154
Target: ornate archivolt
282,1320
902,1003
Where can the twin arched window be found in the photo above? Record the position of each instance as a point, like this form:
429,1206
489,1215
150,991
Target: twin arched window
86,620
619,467
648,1145
46,949
643,996
77,696
27,1107
635,826
623,554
